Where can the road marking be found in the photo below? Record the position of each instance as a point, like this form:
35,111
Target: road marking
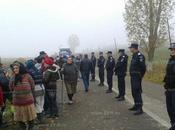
151,114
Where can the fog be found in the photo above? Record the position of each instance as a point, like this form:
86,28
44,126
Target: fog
29,26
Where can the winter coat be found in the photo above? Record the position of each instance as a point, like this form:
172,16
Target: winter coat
70,72
170,74
23,91
51,75
86,65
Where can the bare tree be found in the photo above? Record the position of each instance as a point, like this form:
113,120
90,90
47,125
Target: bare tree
73,42
146,22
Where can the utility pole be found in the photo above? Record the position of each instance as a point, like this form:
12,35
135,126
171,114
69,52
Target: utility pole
169,33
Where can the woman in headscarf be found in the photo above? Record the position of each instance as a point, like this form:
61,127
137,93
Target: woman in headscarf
22,86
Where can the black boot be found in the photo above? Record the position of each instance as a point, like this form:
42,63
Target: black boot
134,108
22,126
31,125
138,112
118,97
121,98
109,91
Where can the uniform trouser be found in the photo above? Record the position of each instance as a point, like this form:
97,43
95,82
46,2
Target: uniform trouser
93,74
85,77
101,75
121,85
52,104
137,91
170,102
110,79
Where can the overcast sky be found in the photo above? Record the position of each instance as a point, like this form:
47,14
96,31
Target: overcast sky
29,26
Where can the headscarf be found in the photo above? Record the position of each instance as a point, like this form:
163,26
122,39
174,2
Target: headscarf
22,71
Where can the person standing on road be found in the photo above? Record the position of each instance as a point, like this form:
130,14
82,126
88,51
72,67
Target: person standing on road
137,71
39,88
51,75
110,64
169,81
85,69
120,71
101,68
22,86
70,72
93,60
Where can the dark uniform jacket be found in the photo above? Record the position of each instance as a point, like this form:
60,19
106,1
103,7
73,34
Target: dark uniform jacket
138,66
101,62
93,60
121,65
110,64
170,74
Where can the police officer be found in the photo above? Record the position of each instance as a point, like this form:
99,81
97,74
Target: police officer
137,71
110,65
93,60
101,68
170,86
120,71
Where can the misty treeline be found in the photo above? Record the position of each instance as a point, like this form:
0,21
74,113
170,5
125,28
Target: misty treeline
147,23
73,42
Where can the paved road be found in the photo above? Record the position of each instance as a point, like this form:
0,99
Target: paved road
97,110
153,97
154,100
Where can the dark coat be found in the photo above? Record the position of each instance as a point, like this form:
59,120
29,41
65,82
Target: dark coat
86,65
121,65
110,64
36,75
138,66
70,72
170,74
101,63
94,61
51,75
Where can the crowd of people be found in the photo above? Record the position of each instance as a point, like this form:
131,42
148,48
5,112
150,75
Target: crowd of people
32,86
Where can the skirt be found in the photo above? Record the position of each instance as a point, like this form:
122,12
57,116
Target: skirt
24,113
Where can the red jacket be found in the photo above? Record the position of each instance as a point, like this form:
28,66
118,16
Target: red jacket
1,97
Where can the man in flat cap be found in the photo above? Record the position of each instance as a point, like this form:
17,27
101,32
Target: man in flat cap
137,71
110,65
169,81
101,68
93,60
120,71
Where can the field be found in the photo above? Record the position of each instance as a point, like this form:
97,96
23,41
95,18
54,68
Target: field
159,66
